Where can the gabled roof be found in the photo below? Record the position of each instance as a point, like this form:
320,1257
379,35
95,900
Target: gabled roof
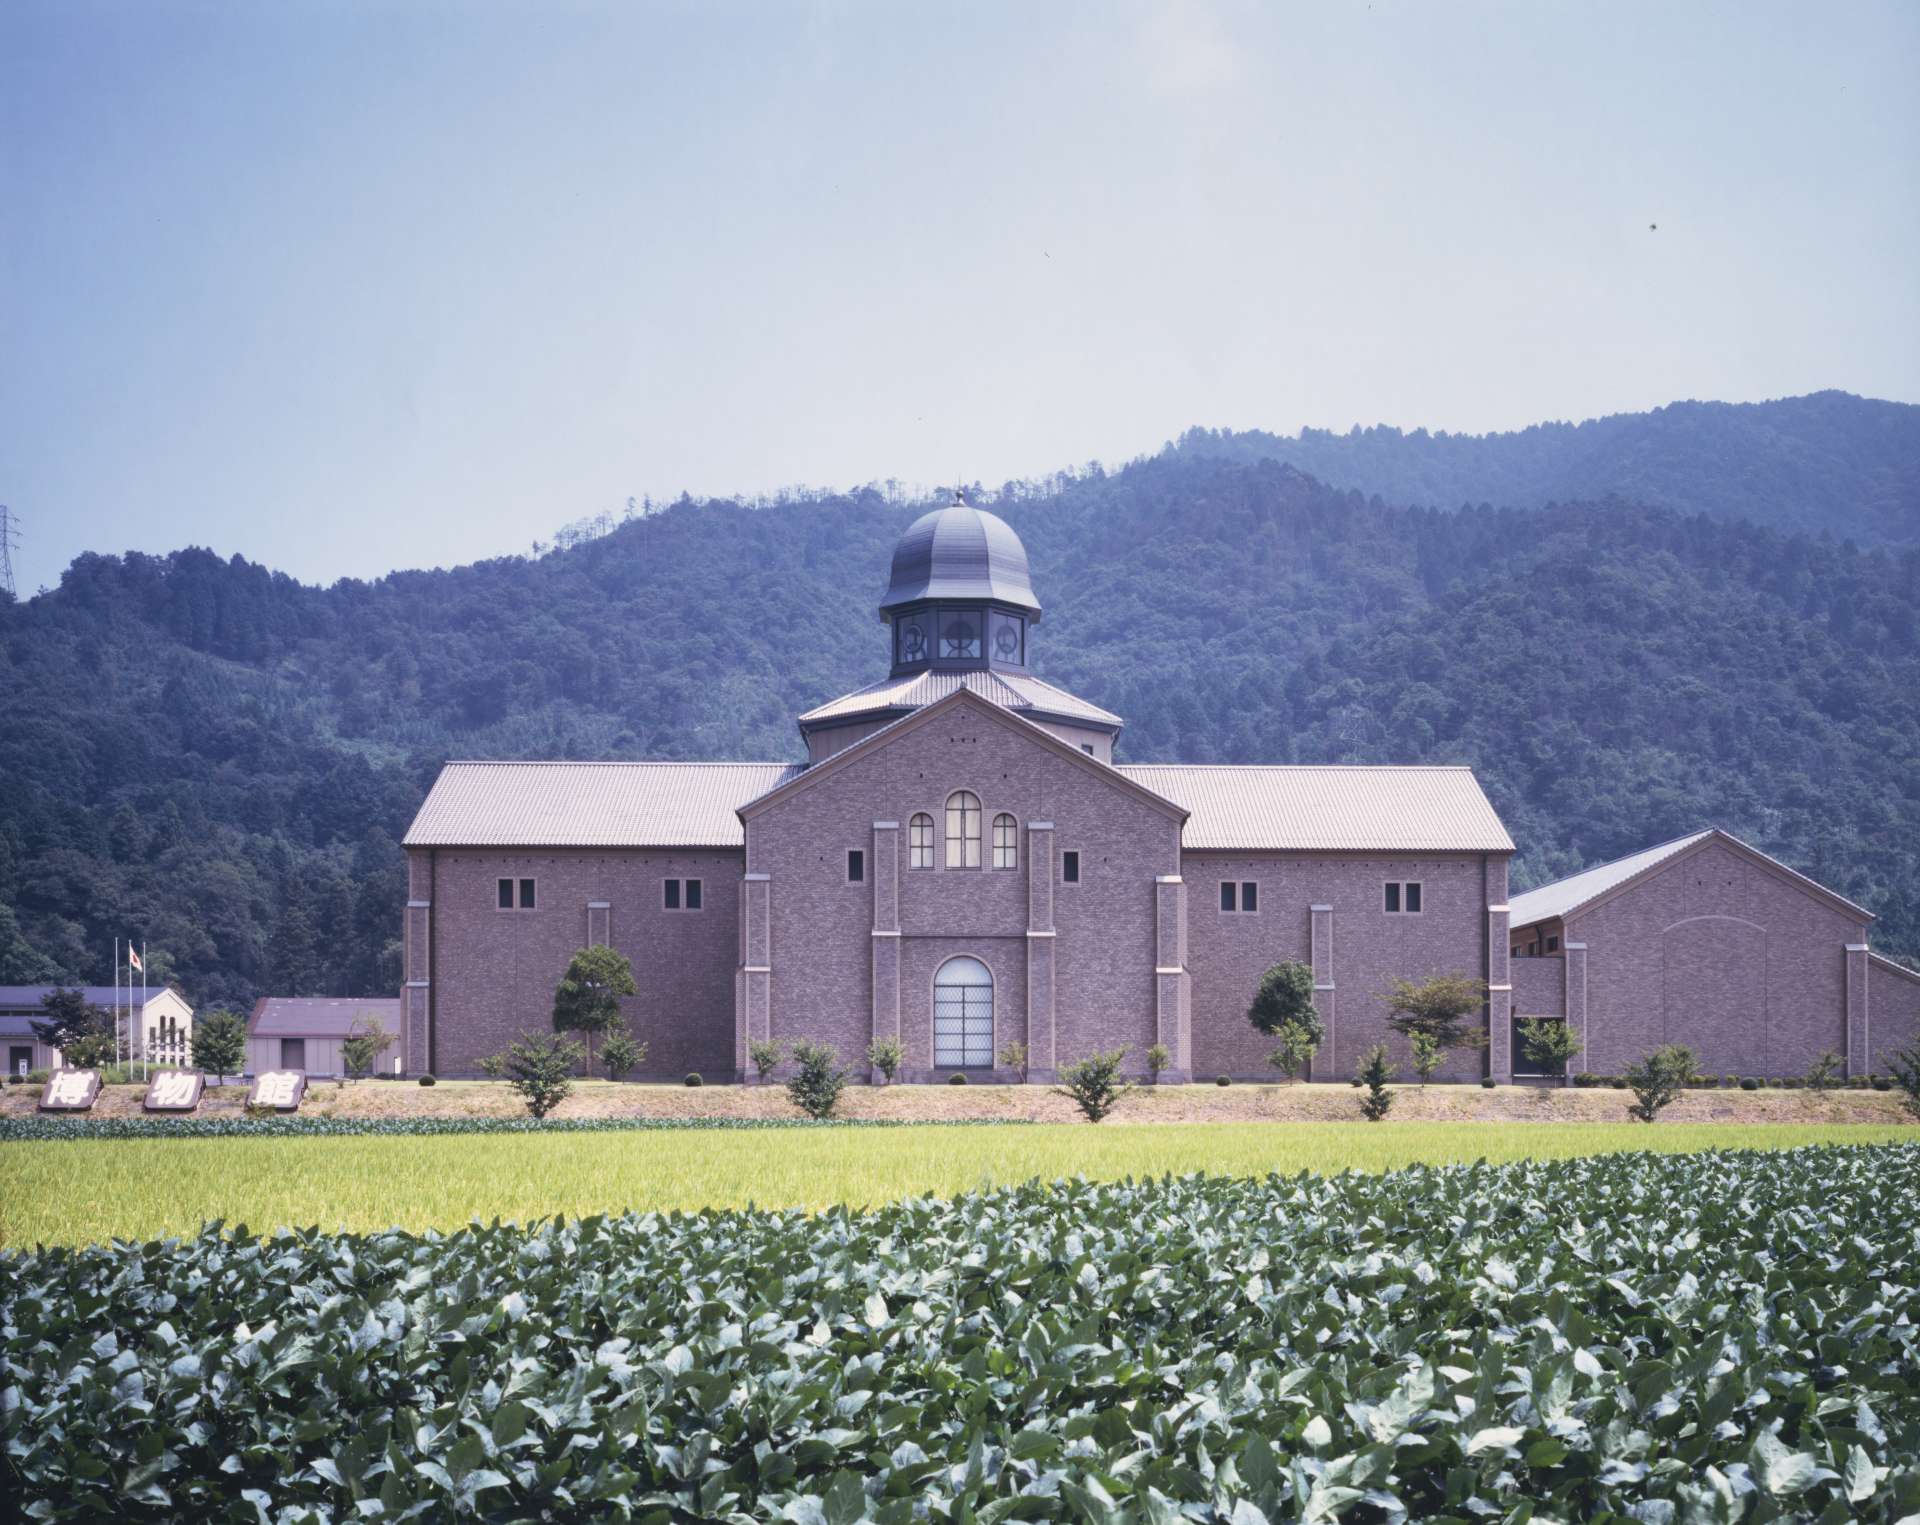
27,997
962,697
1012,691
1328,809
279,1016
591,804
1566,896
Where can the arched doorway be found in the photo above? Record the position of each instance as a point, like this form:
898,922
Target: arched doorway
963,1015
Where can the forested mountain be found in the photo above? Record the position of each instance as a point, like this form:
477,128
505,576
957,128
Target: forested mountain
1831,461
215,757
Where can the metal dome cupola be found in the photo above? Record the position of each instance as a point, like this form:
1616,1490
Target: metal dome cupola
960,595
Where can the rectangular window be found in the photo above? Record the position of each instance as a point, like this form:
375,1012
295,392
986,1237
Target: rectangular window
1070,867
526,894
1393,898
505,901
1413,897
1403,897
1249,896
1087,747
673,894
1243,897
504,898
1228,897
856,865
693,894
293,1053
1553,945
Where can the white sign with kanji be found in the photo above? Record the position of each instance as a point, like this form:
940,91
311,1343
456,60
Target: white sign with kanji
70,1091
281,1089
174,1091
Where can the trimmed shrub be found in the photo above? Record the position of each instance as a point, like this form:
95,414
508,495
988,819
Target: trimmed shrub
428,1080
1093,1084
886,1055
1159,1058
693,1079
1749,1084
818,1079
539,1067
1882,1083
1657,1079
956,1079
1224,1080
1487,1082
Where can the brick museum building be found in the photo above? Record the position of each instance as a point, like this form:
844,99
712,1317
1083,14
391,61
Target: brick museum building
960,862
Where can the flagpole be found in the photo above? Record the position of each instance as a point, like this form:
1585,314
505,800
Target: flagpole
144,1045
116,1000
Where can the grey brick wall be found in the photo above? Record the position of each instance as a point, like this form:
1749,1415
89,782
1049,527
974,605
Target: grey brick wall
1893,1006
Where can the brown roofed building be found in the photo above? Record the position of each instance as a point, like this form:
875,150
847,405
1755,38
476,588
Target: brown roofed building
960,865
305,1033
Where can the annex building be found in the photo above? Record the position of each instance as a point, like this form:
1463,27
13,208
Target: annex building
961,864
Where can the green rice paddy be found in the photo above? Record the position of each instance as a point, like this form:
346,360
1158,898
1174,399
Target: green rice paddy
91,1191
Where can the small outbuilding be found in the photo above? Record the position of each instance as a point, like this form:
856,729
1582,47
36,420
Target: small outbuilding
305,1033
160,1033
1708,942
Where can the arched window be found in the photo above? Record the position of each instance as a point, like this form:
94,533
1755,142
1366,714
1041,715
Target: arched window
963,830
963,1015
920,841
1006,842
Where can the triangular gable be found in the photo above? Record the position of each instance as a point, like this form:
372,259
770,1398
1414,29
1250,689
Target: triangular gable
1811,888
957,699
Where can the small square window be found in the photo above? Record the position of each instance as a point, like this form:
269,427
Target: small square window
693,894
1070,867
1413,897
526,894
1227,895
505,901
1249,896
856,865
1553,945
1087,747
673,894
1393,898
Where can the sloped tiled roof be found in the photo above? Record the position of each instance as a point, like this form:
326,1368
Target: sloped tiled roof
27,997
318,1017
1328,809
1013,691
1568,894
591,804
1565,896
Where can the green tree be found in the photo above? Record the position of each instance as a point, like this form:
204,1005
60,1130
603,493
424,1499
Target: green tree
219,1043
1283,1008
1825,1071
588,998
68,1018
886,1055
1093,1084
818,1079
1657,1078
766,1055
365,1042
621,1054
1441,1006
540,1067
20,962
1374,1073
1427,1055
1159,1059
1551,1044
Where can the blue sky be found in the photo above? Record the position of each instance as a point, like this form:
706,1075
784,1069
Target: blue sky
351,286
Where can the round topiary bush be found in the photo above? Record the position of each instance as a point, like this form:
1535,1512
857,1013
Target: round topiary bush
427,1080
956,1080
1749,1084
1882,1083
1618,1082
1224,1080
694,1079
1487,1082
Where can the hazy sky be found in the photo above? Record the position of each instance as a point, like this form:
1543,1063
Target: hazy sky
345,287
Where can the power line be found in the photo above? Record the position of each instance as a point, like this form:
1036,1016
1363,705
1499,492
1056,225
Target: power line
9,538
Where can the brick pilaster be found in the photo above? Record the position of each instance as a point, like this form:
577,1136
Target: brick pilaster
884,875
1859,1017
754,1020
1173,1019
1043,1058
1325,1064
1576,1007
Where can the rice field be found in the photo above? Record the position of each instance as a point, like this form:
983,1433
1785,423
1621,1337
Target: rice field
90,1191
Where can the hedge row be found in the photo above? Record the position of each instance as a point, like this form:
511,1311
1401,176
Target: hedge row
1710,1337
43,1127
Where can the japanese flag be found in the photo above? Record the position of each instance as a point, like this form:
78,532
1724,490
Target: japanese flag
134,958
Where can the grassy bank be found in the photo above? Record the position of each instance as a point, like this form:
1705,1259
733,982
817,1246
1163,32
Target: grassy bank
83,1192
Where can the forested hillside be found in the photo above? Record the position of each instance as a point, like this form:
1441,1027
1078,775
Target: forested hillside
1831,461
222,760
